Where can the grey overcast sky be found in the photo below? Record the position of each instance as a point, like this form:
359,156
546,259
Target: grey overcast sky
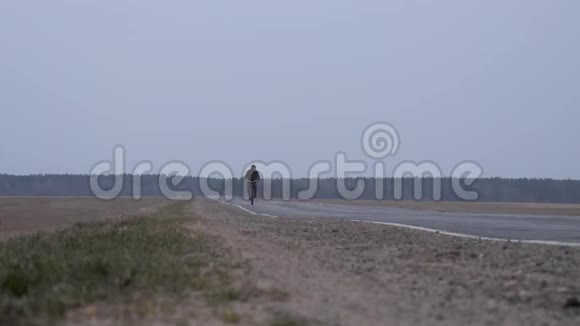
493,81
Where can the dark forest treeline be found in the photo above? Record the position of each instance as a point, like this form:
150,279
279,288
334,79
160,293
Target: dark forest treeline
489,189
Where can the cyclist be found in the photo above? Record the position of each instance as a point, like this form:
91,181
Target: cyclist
252,177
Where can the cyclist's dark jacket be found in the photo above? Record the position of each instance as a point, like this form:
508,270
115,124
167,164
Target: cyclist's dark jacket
255,176
252,175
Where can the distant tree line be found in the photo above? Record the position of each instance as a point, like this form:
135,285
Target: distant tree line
489,189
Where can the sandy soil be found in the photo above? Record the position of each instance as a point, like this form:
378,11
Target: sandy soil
20,215
470,207
335,272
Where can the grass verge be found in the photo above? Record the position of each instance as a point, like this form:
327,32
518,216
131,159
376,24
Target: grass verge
44,275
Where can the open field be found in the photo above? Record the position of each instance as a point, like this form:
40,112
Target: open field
207,263
120,268
28,214
470,207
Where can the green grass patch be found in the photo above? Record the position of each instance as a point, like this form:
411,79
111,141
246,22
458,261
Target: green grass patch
45,274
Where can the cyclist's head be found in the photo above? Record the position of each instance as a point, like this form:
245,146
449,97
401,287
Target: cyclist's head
253,167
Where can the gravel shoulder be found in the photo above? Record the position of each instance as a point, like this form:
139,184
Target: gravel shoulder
335,272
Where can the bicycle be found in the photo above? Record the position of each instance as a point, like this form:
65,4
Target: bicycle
252,190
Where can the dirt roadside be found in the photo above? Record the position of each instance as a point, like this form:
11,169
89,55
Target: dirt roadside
336,272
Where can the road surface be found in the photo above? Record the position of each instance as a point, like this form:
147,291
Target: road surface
534,228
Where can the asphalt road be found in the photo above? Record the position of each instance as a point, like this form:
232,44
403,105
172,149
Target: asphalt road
565,229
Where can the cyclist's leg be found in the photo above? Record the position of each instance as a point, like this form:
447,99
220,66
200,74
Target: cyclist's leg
254,191
250,190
